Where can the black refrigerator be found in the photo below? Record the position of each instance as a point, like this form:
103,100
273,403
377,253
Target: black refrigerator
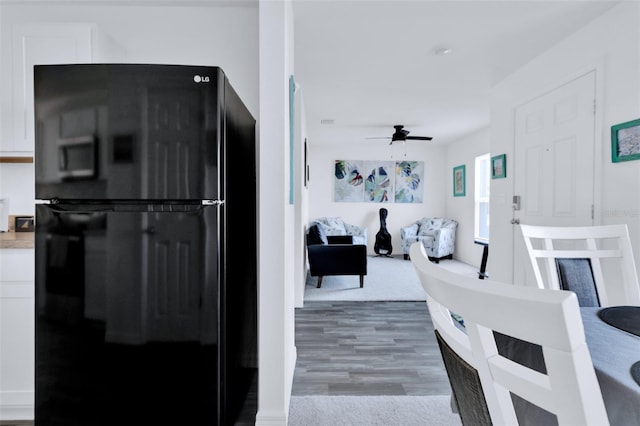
146,247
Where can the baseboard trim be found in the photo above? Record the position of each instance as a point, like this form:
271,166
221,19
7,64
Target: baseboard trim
271,419
16,405
280,417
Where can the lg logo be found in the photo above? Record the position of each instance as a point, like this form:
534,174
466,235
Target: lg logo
201,78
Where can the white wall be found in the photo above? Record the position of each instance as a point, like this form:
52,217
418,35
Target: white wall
611,45
221,35
213,36
321,186
464,151
301,201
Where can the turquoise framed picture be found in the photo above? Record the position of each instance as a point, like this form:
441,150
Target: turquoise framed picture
625,141
499,166
459,183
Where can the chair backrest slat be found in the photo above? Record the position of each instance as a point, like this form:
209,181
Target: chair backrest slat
607,247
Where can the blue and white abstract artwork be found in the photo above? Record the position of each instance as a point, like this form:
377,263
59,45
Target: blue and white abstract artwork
349,180
409,177
378,185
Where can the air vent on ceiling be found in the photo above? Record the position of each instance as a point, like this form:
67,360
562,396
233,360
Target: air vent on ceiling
327,121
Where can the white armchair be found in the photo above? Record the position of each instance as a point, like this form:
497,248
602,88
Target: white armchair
336,226
437,235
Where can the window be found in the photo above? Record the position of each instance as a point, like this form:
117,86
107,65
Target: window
481,198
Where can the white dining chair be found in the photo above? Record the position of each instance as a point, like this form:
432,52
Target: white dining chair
596,262
551,319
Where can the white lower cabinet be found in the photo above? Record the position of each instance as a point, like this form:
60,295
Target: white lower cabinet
17,334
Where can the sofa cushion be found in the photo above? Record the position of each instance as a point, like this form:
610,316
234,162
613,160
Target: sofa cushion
333,226
317,234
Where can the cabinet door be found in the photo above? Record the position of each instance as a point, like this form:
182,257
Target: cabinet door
40,44
17,344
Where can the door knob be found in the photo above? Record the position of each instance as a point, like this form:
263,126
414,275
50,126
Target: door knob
515,221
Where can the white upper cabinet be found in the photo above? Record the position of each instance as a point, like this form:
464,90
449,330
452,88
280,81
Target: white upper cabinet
40,44
43,44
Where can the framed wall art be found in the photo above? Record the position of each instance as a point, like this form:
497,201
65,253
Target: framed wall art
459,181
349,180
625,141
409,181
378,181
499,166
378,185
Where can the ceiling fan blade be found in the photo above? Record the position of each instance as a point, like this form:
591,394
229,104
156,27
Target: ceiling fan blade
401,135
380,137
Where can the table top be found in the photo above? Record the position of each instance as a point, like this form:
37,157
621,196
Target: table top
613,352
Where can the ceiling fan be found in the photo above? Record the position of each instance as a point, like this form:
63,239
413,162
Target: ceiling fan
403,135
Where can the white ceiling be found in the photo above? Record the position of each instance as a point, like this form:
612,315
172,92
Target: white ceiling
369,65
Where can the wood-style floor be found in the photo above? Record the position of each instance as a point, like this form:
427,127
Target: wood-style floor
364,348
367,348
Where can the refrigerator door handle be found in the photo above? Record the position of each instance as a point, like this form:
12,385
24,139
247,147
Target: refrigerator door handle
212,202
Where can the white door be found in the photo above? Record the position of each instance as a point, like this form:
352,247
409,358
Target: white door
554,162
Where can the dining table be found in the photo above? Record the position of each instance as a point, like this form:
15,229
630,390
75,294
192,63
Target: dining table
615,355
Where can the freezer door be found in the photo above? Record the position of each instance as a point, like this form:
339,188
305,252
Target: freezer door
127,131
126,307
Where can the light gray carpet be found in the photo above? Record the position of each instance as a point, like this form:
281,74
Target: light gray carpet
372,410
387,279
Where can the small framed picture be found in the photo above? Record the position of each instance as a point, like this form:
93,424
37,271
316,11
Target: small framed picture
625,141
459,181
499,166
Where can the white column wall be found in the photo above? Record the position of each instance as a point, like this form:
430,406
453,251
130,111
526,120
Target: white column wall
276,313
